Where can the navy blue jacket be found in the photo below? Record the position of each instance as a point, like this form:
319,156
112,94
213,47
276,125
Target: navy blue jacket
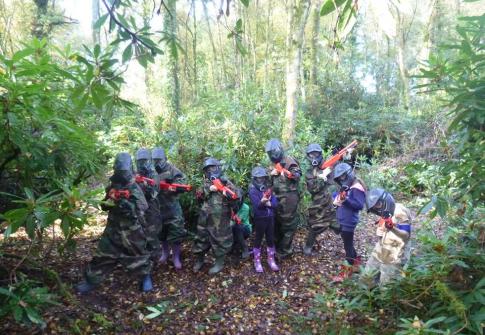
348,213
259,209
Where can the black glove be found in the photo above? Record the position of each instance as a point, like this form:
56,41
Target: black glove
223,180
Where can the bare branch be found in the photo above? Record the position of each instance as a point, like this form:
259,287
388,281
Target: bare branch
134,36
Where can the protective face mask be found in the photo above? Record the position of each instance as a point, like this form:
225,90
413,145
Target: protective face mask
143,167
314,158
122,177
259,186
275,156
260,183
160,165
213,172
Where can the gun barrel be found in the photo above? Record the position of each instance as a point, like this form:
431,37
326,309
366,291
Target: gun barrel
335,158
221,188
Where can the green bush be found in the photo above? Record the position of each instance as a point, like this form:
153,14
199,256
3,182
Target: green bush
25,300
443,289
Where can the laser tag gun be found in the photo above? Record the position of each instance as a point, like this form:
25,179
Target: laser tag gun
175,187
386,222
267,193
282,170
140,180
235,218
338,156
343,192
230,194
116,195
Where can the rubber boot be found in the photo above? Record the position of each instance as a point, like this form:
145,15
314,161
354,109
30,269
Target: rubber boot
85,287
244,247
176,256
257,260
199,262
146,284
271,261
310,241
357,264
165,252
218,266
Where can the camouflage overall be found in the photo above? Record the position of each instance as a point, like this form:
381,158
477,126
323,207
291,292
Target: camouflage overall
123,240
172,229
214,224
286,219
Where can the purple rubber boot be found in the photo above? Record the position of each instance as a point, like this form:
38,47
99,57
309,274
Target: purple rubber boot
176,256
271,261
165,253
257,260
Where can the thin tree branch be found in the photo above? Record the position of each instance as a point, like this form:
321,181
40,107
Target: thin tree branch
133,35
162,3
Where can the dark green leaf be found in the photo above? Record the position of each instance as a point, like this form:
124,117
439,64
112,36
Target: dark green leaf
97,51
142,60
22,54
99,23
331,5
239,25
127,53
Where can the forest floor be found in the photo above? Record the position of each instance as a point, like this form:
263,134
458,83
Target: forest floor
236,301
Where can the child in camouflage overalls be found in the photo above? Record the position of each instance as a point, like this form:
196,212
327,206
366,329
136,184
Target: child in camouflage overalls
214,227
123,241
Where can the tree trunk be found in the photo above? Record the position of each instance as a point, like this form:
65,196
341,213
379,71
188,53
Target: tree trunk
423,56
298,11
95,17
194,48
170,28
268,43
400,52
314,43
40,28
214,65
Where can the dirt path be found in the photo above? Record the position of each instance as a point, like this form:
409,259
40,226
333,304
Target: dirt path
236,301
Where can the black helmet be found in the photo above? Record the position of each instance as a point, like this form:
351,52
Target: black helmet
212,168
123,162
380,202
314,154
143,153
344,175
143,161
274,149
123,169
159,159
259,178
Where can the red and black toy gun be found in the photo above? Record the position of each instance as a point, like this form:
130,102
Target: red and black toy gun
175,187
140,179
386,222
164,185
235,218
338,156
343,192
282,170
118,194
267,193
230,194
